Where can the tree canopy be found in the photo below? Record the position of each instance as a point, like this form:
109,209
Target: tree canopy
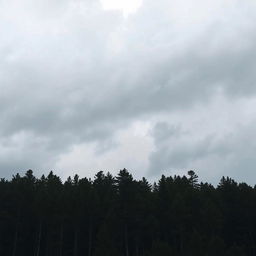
121,216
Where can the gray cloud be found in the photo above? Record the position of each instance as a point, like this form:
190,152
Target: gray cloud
72,73
212,155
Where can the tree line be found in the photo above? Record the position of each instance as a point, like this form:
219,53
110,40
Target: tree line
120,216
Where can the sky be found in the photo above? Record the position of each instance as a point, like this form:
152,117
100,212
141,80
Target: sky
157,87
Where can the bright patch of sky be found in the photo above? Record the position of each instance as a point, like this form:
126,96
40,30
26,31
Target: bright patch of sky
126,6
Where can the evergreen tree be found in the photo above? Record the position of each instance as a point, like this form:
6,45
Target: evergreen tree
122,216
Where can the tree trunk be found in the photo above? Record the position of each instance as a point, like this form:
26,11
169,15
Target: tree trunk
76,241
39,239
252,243
137,249
126,240
47,242
181,240
15,239
61,239
90,239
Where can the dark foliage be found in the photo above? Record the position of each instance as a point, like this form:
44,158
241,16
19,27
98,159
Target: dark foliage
120,216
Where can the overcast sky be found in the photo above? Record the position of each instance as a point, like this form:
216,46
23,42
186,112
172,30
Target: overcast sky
157,87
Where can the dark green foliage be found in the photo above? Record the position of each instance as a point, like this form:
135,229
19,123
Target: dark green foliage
159,248
121,216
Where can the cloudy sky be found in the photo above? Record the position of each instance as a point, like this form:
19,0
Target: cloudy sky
154,86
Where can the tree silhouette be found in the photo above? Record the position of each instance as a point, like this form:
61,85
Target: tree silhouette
124,216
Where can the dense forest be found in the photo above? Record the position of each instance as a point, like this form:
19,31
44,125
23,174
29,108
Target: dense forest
121,216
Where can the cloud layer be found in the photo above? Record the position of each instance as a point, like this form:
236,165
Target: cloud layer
166,89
